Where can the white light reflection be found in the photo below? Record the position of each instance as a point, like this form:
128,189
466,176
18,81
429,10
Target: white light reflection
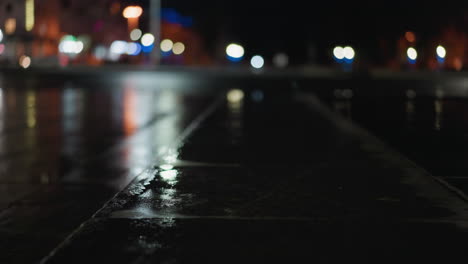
31,109
154,144
169,176
166,167
235,96
2,112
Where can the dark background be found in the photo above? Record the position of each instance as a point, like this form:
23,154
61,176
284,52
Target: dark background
307,27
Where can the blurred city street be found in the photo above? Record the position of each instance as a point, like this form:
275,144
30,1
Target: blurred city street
186,166
176,131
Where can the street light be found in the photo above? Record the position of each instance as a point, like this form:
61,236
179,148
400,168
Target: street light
349,53
235,52
147,40
441,53
167,45
132,13
338,53
136,34
257,62
178,48
412,55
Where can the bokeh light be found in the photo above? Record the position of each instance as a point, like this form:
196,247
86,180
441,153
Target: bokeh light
118,47
441,52
132,12
10,26
257,62
100,52
133,48
338,53
412,54
147,40
25,61
235,96
178,48
147,49
410,37
135,34
281,60
235,52
29,19
167,45
69,45
1,35
348,53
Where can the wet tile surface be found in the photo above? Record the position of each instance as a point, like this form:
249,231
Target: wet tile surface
254,241
68,144
268,180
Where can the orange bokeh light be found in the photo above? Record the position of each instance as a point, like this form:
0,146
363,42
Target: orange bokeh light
410,37
132,12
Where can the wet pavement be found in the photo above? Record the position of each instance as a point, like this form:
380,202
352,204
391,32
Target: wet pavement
425,122
180,168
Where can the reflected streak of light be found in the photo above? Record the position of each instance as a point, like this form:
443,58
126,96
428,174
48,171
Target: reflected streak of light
169,175
235,96
170,157
438,107
2,112
31,109
166,167
129,114
168,199
410,111
25,61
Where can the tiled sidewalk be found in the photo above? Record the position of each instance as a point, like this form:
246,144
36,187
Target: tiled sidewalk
271,179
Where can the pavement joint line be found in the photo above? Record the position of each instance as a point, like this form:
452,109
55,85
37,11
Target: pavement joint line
188,164
187,132
221,217
451,187
459,222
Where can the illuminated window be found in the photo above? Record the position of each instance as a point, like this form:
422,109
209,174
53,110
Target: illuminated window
29,15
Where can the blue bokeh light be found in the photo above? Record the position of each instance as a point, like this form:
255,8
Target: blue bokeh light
148,49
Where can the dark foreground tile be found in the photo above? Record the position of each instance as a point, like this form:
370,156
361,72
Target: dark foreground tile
262,241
